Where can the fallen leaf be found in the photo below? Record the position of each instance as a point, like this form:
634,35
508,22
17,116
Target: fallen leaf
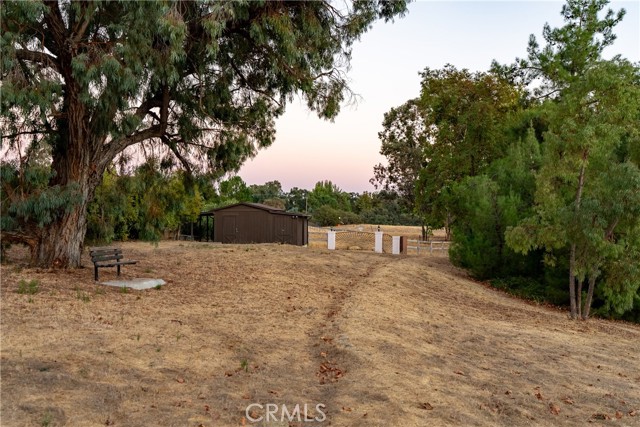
180,380
426,406
618,415
555,409
568,400
633,413
539,395
508,392
346,409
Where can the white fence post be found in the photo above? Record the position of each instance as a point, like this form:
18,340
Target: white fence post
378,244
395,245
331,240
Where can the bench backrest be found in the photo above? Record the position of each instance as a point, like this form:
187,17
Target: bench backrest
105,254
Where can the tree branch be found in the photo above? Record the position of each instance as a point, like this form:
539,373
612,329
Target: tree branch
546,95
248,86
174,149
42,58
116,146
608,234
55,22
80,30
29,132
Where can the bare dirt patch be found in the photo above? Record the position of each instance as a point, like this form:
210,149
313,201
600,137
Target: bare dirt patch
380,340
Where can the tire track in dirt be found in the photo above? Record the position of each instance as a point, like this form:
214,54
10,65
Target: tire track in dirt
332,346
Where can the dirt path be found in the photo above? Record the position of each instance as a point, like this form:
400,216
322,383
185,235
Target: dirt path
378,340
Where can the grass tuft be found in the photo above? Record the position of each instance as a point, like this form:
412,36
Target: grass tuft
28,288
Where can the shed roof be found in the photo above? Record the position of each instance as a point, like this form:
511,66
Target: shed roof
270,209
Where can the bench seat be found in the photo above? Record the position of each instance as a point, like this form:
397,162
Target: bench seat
107,257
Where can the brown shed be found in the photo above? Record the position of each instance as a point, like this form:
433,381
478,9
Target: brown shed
257,223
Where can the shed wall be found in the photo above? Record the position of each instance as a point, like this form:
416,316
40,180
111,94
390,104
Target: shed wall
246,224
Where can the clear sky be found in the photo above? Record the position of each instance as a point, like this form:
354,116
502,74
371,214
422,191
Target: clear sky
384,73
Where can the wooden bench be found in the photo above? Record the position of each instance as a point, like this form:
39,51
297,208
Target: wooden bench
107,257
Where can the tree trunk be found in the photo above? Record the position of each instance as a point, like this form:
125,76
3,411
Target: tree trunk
572,259
579,296
62,241
75,161
572,280
447,226
587,302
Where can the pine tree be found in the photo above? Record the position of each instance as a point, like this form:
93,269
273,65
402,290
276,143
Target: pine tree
592,108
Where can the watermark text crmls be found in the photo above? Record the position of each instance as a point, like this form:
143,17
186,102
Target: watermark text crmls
305,413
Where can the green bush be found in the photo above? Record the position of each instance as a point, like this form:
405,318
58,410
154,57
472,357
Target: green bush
326,216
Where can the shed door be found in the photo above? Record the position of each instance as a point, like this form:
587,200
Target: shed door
283,229
229,229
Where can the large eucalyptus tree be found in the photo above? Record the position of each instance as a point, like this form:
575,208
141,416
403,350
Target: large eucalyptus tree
200,81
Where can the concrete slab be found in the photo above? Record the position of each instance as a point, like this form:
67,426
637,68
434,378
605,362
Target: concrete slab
138,284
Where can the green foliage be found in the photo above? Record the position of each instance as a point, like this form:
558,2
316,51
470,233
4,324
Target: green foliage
82,296
404,138
454,129
27,197
587,198
271,190
297,200
326,216
47,419
142,205
113,211
524,287
384,208
618,295
31,287
486,205
236,189
326,193
275,203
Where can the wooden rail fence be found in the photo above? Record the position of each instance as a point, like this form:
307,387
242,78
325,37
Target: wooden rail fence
423,246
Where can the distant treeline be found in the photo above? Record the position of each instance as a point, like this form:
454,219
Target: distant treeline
149,201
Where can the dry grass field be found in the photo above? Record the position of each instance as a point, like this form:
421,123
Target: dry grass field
380,340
